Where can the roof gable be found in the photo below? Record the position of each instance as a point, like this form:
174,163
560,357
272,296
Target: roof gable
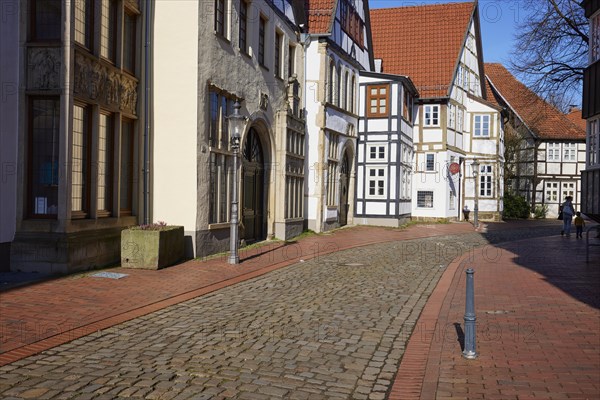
544,120
423,42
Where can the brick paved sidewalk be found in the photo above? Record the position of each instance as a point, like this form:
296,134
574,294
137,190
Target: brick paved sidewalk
538,327
40,316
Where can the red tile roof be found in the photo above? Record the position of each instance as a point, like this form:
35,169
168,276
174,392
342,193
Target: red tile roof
423,42
543,119
576,117
320,15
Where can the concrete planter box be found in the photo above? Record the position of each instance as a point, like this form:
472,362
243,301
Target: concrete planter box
151,249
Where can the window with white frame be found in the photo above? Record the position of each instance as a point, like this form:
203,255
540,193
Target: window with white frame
430,162
376,182
553,152
551,192
425,199
451,116
459,76
593,143
376,152
486,178
459,120
481,125
431,115
569,151
567,189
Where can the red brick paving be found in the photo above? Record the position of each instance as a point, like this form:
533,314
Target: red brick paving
538,327
537,304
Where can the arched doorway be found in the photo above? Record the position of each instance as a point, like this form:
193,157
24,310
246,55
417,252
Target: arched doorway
345,169
253,189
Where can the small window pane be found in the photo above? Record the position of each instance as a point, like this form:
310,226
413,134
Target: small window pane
44,120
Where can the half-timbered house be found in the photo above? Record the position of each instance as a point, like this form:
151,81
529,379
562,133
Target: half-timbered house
385,149
439,48
338,47
590,176
548,150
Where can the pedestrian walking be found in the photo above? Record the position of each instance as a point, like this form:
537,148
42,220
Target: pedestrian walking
568,212
579,224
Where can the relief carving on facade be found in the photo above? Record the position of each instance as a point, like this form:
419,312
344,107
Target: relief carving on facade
105,85
43,68
264,101
295,124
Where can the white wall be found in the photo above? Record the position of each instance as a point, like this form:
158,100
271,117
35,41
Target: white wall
175,114
313,108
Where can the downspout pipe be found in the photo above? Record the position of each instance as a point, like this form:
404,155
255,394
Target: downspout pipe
146,169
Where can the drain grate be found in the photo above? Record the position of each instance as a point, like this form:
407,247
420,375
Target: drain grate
109,275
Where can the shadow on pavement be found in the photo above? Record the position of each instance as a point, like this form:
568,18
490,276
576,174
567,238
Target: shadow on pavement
559,259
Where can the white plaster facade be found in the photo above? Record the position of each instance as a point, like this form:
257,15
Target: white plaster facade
334,59
445,133
385,150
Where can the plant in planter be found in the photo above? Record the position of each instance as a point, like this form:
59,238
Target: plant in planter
151,246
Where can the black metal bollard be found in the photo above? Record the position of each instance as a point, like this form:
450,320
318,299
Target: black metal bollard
470,318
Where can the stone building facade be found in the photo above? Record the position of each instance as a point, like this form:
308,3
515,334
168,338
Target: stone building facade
78,67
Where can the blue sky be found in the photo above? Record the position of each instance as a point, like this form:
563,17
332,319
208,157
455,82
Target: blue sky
498,23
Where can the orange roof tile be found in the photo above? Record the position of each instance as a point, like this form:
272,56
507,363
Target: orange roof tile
320,14
543,119
576,117
423,42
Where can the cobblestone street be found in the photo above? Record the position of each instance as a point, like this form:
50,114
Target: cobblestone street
332,327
